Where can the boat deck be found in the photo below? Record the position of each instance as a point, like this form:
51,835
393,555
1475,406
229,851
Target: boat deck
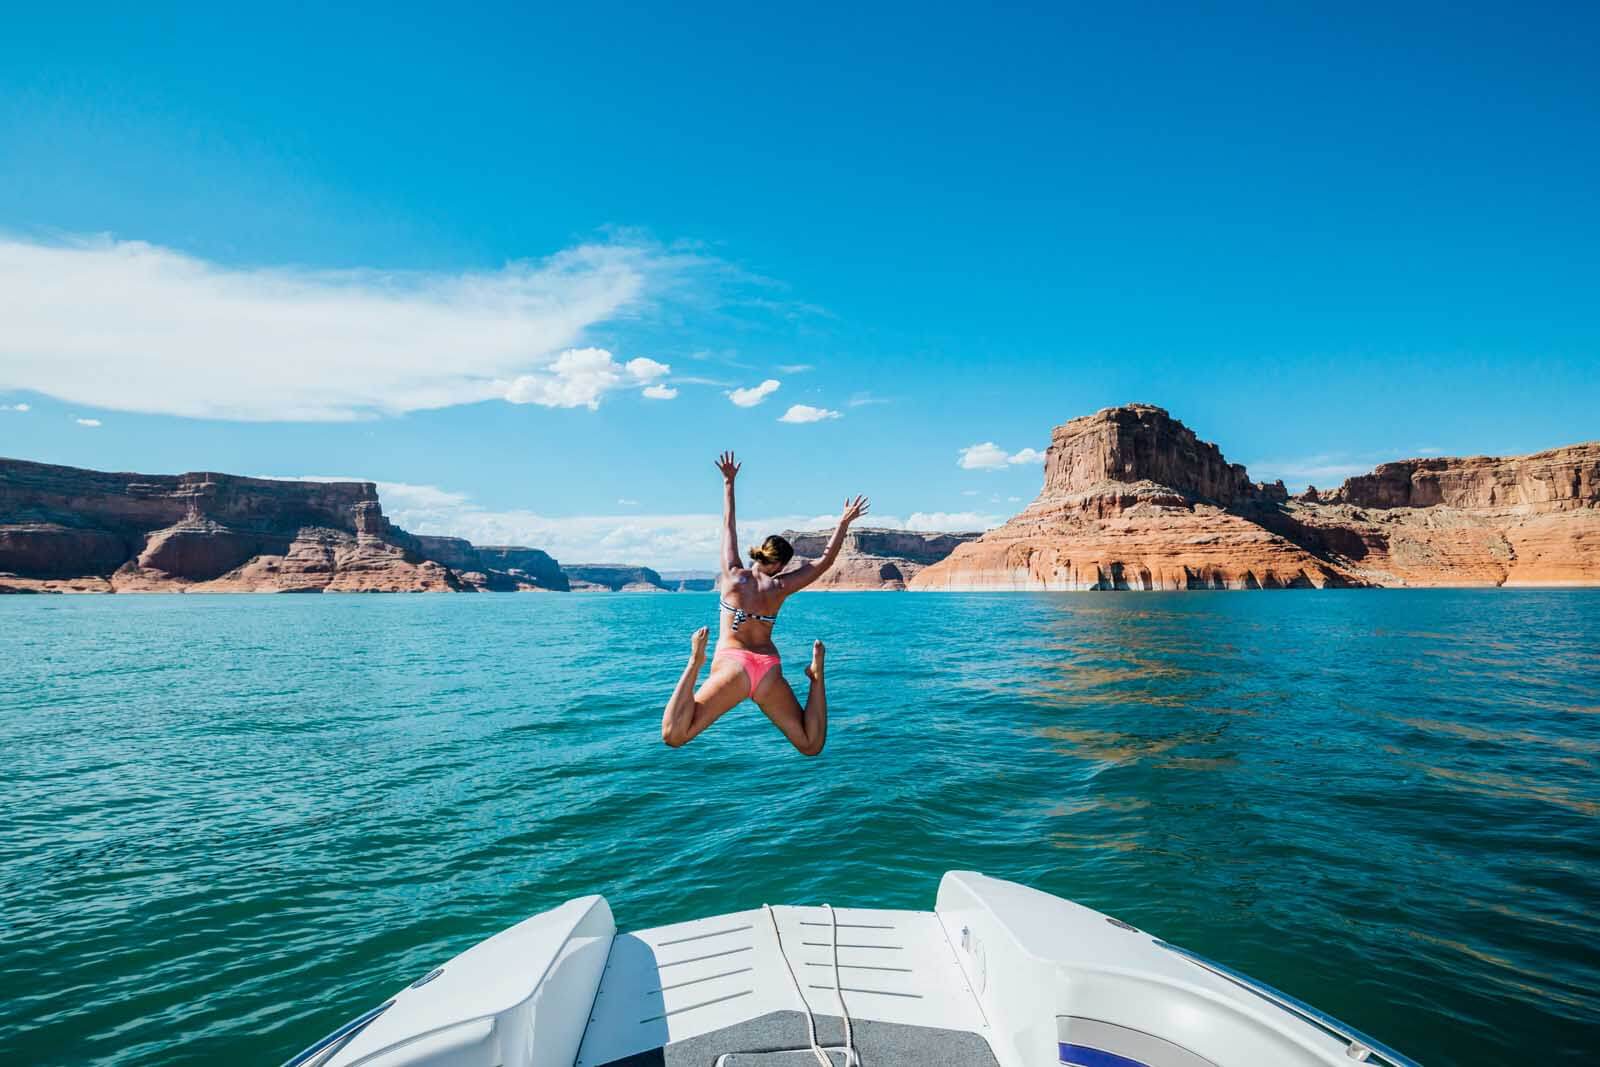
693,991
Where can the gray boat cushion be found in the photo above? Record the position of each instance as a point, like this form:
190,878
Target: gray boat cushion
778,1039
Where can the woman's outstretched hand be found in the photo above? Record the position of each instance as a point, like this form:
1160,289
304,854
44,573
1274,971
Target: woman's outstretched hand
728,466
854,509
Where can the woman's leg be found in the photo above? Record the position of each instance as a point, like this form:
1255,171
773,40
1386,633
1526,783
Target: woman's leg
806,728
688,712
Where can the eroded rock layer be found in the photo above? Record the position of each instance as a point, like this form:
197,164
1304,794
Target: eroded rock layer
495,568
63,529
613,578
1134,500
875,558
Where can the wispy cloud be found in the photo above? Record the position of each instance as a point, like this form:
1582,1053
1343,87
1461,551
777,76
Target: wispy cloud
87,422
130,326
989,456
755,394
659,392
864,398
16,407
795,368
1429,450
726,357
1324,469
807,413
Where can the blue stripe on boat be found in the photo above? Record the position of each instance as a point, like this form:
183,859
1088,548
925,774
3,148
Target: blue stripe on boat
1084,1056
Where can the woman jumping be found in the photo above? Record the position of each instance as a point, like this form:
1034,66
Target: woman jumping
746,663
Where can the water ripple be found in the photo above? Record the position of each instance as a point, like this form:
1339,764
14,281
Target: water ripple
235,822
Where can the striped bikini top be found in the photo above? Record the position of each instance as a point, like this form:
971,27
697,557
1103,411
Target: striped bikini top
741,616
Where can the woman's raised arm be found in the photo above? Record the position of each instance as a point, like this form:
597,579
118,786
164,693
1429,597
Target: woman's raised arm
806,573
730,534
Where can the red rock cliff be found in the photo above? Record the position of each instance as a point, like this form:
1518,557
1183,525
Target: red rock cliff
613,577
1562,479
530,567
1139,444
1134,500
67,529
494,568
1482,520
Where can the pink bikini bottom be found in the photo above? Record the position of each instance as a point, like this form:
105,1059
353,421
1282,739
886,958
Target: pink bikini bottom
755,664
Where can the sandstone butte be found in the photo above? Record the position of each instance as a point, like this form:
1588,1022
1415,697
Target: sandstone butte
63,529
1132,499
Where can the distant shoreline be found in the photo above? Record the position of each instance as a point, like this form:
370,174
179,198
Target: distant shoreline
1132,500
1547,587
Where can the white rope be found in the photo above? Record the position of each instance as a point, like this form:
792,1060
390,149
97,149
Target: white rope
850,1058
817,1050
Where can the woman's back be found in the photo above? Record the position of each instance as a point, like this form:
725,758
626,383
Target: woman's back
750,604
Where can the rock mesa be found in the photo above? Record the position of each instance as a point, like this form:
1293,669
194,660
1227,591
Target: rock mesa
613,578
64,529
1133,499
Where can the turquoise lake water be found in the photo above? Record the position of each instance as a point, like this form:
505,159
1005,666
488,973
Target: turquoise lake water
231,823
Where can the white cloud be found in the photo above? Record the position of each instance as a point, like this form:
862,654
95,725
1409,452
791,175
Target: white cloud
625,502
969,492
794,368
427,498
129,326
749,398
989,456
647,370
578,377
1430,450
87,422
15,407
807,413
948,521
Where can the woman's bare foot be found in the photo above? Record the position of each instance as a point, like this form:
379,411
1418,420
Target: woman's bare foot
697,644
814,672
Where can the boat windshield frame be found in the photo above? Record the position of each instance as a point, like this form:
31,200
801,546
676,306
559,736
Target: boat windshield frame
322,1051
1377,1052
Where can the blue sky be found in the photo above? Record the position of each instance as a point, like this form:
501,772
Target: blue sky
334,243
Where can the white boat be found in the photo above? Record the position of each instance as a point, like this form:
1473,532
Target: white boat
997,974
